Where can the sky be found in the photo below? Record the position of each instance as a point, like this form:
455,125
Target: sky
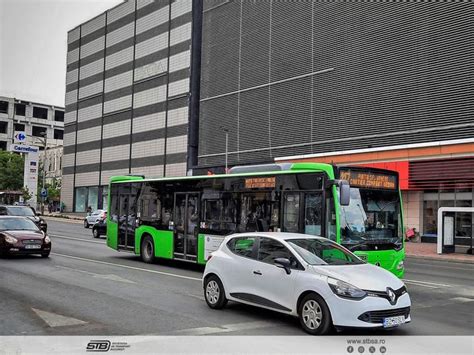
33,45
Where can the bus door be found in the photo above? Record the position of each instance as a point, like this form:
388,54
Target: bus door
127,216
186,221
303,212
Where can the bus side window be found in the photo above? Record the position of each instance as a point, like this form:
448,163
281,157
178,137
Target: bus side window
291,212
312,214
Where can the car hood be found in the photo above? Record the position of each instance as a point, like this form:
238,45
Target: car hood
21,235
363,276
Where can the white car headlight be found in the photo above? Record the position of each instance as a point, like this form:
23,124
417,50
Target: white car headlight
345,290
11,240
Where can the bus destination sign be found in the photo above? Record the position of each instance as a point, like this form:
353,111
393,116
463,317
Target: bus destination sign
260,183
369,180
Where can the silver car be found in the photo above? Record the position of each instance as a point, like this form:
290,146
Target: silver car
94,217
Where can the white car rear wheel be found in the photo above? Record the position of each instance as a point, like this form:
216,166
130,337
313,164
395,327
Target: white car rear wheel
214,293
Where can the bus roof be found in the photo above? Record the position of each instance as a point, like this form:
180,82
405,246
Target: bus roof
291,168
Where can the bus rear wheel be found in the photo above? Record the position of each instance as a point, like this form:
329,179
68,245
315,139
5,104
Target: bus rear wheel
147,249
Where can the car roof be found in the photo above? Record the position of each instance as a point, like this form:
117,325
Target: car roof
277,235
16,217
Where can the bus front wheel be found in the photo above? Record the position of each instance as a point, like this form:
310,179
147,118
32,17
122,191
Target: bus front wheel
147,249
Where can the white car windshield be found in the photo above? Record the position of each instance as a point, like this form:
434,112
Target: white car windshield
323,252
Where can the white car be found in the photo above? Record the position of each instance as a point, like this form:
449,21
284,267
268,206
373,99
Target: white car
94,217
313,278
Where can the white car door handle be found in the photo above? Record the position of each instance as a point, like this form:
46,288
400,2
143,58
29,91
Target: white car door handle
257,272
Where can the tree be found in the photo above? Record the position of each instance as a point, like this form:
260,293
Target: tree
11,171
26,194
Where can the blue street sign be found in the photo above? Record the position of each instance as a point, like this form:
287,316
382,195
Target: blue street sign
44,192
20,137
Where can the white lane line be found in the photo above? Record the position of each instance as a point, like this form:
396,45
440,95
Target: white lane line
129,267
57,320
111,277
427,284
78,239
225,328
462,299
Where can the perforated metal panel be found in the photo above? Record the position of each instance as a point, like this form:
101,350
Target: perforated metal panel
299,77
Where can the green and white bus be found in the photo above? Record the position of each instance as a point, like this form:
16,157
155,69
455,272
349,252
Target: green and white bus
187,217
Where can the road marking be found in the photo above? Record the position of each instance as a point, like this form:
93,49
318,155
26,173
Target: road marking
57,320
447,302
79,239
462,299
225,328
111,277
426,284
129,267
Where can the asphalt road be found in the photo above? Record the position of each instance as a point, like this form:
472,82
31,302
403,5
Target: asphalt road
87,288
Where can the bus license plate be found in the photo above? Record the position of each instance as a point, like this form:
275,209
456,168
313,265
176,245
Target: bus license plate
393,321
33,246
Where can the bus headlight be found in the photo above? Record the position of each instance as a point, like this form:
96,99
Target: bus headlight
400,265
345,290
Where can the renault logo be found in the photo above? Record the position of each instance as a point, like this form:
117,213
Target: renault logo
391,295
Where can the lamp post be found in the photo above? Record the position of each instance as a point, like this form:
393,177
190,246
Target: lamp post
44,141
226,131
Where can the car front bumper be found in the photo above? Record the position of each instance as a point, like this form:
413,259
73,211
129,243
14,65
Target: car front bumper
22,250
368,312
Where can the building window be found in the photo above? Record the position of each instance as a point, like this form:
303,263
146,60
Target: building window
20,109
3,127
81,199
40,112
3,106
19,127
59,116
58,134
38,131
432,201
3,145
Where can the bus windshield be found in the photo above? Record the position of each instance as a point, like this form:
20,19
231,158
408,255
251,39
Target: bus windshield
372,220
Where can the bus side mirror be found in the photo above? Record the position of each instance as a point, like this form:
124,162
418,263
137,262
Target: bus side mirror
344,190
344,193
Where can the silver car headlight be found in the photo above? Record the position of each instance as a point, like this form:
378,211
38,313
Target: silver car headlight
47,240
11,240
346,290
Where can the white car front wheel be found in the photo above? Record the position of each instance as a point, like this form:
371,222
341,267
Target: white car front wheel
314,315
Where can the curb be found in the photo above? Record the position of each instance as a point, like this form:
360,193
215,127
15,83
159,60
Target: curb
64,219
434,258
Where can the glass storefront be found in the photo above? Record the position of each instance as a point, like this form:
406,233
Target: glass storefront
81,199
464,221
90,197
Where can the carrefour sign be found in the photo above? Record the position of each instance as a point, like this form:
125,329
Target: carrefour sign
18,148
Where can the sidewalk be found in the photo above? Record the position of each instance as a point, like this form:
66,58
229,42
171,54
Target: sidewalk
428,251
66,216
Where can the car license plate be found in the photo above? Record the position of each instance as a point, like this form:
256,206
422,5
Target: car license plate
32,246
393,321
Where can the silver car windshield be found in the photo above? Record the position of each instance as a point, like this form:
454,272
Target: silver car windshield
323,252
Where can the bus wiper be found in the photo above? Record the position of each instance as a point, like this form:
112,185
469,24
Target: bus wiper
372,242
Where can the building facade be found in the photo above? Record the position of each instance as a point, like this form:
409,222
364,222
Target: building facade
387,84
378,83
36,120
127,89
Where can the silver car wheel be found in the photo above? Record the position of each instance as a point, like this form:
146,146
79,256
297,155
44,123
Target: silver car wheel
212,292
312,314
